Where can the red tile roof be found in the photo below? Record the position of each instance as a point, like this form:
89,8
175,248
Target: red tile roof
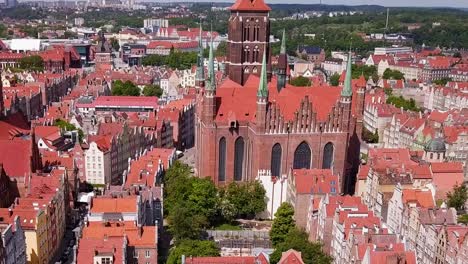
16,157
12,125
315,181
250,5
446,176
147,238
133,101
90,247
143,171
423,198
291,257
114,205
240,102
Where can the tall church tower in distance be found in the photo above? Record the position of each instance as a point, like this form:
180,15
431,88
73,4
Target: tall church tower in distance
248,40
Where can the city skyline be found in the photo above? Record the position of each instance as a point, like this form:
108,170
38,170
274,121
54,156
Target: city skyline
395,3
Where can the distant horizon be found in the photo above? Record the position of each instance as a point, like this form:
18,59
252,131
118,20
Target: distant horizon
385,3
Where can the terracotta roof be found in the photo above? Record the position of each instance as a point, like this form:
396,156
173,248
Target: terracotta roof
240,102
250,5
315,181
114,205
445,176
143,171
423,198
145,237
90,247
135,101
16,157
12,125
291,257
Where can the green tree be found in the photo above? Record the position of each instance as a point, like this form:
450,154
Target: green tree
154,60
297,240
62,124
126,88
301,81
370,137
192,248
282,224
183,224
152,90
393,74
463,219
442,82
248,198
221,49
69,34
32,63
203,198
335,79
399,101
115,44
457,197
366,70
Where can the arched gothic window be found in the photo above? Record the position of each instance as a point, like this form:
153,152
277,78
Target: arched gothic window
328,156
222,160
238,158
302,156
276,153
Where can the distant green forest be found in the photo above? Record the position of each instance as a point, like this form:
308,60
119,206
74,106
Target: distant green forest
333,33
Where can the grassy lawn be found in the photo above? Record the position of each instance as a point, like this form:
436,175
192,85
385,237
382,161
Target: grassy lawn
228,227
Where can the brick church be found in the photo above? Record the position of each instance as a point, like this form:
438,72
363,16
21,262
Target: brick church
253,120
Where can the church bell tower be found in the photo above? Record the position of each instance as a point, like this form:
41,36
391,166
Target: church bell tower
248,40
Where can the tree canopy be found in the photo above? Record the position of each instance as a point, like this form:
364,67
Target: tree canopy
192,248
193,203
370,137
69,127
282,224
402,102
393,74
301,81
126,88
366,70
248,199
152,90
175,59
32,63
457,197
335,79
297,240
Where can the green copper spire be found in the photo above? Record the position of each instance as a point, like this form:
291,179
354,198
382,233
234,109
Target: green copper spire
347,89
283,43
211,71
263,85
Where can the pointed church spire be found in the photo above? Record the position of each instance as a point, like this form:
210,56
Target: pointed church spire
283,43
263,85
211,71
347,88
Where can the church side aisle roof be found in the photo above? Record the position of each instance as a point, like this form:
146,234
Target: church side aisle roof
241,101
